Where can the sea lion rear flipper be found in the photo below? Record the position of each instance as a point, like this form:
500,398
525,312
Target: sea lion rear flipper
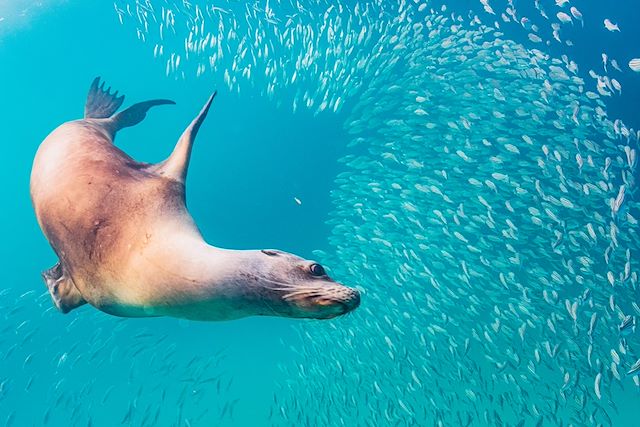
102,104
63,292
175,167
135,114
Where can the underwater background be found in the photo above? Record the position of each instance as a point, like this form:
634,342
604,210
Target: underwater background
469,166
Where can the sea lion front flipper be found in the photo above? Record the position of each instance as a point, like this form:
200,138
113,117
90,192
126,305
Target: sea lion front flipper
175,167
63,292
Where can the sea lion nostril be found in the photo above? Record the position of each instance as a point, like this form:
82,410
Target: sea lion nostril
355,299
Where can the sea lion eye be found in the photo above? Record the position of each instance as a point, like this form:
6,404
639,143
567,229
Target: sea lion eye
316,270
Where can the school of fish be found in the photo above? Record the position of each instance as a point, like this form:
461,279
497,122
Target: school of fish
485,207
115,372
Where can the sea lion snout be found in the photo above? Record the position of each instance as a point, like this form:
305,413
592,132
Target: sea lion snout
336,300
301,288
323,301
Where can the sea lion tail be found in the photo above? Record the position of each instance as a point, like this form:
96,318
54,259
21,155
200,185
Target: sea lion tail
102,104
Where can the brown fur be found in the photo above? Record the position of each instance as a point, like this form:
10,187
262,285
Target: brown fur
99,206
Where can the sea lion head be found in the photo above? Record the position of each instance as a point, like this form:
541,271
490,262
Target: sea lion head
289,286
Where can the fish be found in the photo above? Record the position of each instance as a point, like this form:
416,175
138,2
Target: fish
596,385
577,14
635,367
627,325
564,17
610,25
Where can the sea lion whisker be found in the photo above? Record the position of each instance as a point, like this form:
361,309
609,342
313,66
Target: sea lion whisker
263,278
305,293
284,286
281,288
295,288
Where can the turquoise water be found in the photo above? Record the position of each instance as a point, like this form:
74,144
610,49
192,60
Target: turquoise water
437,171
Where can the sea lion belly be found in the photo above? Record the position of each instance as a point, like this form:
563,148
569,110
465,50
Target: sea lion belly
97,207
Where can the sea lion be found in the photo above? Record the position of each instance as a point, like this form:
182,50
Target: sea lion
127,245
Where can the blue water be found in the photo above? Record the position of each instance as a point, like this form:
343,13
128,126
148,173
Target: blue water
251,160
253,157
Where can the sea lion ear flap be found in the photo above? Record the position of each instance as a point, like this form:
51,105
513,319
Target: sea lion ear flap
175,167
270,252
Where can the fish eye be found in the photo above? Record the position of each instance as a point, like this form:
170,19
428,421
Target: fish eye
316,270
